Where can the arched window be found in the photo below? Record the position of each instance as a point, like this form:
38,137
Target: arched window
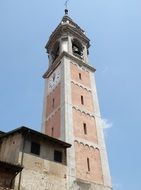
77,48
55,51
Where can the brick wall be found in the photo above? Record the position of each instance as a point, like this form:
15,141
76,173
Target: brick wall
85,76
77,92
84,152
52,126
55,94
79,120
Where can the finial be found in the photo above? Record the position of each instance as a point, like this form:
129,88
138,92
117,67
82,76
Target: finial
66,7
66,11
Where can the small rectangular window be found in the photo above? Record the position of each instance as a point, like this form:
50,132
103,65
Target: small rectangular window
57,156
80,76
35,148
88,164
82,100
85,128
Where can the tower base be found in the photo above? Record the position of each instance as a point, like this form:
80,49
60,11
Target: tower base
83,185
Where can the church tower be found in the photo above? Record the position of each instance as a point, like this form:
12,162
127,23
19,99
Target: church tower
71,110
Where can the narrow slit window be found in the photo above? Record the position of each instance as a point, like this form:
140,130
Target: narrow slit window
53,102
88,164
85,128
82,100
53,77
80,76
52,131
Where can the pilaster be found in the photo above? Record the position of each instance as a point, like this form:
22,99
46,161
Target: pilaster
100,134
44,107
67,119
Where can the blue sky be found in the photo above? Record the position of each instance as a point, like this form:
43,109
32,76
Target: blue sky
114,28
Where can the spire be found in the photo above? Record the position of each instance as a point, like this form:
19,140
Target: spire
67,27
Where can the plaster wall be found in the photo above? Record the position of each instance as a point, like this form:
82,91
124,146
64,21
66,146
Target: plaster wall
46,150
83,185
41,174
10,147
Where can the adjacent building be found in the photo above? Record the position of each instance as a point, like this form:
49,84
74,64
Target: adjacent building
31,160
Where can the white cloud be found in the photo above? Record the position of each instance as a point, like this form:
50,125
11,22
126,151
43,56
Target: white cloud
106,124
105,70
117,186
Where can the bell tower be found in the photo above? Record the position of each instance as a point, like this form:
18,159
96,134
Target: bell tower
71,110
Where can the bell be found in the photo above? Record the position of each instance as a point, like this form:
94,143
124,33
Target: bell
75,49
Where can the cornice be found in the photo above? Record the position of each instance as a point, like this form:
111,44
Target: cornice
53,66
72,58
67,18
79,62
66,29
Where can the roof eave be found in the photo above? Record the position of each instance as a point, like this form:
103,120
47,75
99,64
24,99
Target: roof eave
24,130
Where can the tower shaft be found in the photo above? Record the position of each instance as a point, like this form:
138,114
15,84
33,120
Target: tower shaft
71,110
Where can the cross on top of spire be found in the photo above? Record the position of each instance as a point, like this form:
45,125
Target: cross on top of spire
66,7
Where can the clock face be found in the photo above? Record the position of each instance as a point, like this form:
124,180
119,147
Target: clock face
53,80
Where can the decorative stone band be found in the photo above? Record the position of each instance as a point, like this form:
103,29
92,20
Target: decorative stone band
72,57
79,61
86,143
80,67
81,86
85,111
